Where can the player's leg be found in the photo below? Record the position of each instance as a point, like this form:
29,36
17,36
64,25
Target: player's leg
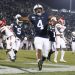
55,55
62,56
38,46
49,55
73,47
46,48
11,55
57,48
9,49
63,48
13,46
52,50
16,45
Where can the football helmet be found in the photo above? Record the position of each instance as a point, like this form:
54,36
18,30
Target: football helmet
2,22
38,9
73,33
17,16
18,21
61,21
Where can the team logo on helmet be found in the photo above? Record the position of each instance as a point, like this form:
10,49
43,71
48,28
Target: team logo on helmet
18,21
38,9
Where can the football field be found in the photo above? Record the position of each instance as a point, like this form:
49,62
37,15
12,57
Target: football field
26,64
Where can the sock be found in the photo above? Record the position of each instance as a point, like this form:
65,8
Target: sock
56,54
49,54
43,59
62,54
11,54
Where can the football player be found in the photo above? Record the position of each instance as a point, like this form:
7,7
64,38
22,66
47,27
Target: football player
52,35
18,31
39,19
60,39
10,38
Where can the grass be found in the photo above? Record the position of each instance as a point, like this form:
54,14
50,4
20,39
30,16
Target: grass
50,73
25,56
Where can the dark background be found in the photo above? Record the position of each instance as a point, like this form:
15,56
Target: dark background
60,4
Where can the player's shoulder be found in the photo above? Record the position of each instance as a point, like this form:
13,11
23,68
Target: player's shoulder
46,13
32,16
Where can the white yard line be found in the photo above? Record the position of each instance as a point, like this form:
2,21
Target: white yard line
58,67
7,70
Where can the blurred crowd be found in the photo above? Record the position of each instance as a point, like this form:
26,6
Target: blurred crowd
9,8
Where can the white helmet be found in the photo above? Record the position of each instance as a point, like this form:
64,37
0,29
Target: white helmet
37,6
17,19
17,16
73,33
61,20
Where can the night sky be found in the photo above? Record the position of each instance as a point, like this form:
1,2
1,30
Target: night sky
60,4
56,4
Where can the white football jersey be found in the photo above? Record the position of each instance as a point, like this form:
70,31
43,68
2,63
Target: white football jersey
59,28
8,31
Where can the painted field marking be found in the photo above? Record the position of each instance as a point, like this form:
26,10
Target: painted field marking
55,68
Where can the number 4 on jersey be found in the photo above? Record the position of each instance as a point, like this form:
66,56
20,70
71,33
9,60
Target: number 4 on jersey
40,25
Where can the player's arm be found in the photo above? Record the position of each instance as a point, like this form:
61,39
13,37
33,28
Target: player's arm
26,19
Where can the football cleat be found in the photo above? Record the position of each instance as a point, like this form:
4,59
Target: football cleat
62,60
55,61
40,65
13,60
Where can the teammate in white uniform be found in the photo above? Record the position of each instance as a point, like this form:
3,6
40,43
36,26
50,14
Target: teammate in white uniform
60,40
10,39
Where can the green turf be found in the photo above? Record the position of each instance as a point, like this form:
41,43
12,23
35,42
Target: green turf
28,56
50,73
